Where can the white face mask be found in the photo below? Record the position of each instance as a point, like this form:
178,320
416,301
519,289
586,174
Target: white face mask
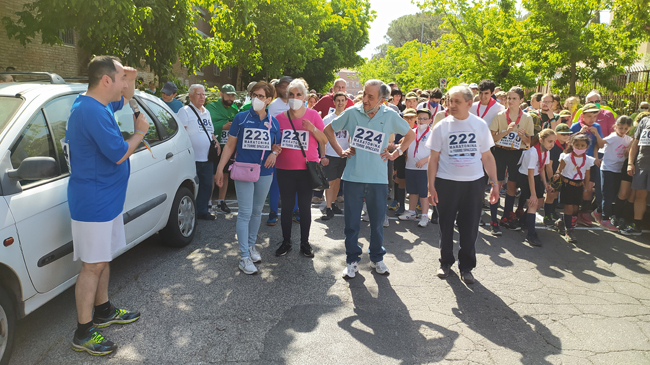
257,104
296,104
422,127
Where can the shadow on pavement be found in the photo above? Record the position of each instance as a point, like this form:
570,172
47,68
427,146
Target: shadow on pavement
390,329
490,317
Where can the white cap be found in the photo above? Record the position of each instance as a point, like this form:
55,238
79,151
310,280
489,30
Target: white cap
473,85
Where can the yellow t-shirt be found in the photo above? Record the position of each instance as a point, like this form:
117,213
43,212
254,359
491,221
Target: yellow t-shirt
512,140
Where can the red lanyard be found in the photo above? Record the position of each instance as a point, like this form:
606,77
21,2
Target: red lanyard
539,157
492,102
510,120
437,107
446,112
417,140
557,143
579,173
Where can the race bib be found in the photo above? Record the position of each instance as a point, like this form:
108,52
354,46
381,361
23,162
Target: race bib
368,139
644,139
510,140
341,135
224,136
290,139
65,147
256,139
463,148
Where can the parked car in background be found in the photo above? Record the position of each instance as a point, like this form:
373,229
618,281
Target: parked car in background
36,255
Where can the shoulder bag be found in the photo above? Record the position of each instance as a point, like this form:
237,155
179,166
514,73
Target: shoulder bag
213,152
247,171
318,180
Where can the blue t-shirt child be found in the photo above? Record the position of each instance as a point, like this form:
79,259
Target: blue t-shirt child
576,127
175,105
97,185
251,133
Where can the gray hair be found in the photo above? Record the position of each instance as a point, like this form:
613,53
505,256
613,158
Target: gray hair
464,90
340,80
592,93
6,78
384,90
194,87
299,84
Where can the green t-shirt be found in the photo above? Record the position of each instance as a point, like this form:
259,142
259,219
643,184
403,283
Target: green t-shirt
221,115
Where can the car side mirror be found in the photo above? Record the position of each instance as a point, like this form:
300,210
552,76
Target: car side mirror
35,168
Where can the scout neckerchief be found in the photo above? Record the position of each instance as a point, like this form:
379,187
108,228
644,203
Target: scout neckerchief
492,102
417,140
579,173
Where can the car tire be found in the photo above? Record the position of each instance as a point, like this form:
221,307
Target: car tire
7,326
181,225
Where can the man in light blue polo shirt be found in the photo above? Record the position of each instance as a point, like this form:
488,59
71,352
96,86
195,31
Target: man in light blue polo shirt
369,126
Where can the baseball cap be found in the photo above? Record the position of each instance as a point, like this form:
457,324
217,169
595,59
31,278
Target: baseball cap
590,108
169,88
473,85
562,128
410,112
228,89
425,110
565,113
249,88
282,79
411,95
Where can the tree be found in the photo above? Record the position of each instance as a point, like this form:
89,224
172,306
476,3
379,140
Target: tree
409,27
633,15
575,46
346,33
154,32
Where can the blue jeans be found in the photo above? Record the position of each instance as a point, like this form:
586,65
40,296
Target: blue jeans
375,196
205,172
251,197
610,183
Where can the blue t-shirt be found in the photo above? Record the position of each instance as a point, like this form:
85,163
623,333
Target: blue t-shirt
250,119
175,105
366,166
576,127
97,186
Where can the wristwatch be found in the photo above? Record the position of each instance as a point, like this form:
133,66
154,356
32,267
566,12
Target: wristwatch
274,152
399,149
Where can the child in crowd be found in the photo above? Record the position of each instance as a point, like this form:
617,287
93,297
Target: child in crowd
615,152
417,162
535,164
574,173
399,166
563,133
511,130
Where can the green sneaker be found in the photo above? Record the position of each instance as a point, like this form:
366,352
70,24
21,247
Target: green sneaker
120,316
94,344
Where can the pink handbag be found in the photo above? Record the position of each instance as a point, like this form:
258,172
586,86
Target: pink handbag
247,171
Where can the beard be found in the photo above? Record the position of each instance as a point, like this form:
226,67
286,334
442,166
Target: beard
227,103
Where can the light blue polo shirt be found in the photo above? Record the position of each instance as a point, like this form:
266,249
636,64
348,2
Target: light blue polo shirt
365,166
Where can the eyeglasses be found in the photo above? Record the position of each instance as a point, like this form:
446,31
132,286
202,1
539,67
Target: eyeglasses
424,119
259,96
645,108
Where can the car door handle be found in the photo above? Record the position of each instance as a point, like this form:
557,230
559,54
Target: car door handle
169,155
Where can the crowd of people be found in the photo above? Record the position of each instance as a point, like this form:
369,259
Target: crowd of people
443,151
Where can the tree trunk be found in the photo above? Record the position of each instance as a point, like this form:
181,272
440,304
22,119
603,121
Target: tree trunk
238,85
572,81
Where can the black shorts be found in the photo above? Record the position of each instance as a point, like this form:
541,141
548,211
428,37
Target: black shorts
334,169
226,169
507,160
594,173
400,167
624,175
571,194
525,187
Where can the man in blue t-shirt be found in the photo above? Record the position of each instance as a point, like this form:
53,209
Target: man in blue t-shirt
167,94
587,125
99,173
369,125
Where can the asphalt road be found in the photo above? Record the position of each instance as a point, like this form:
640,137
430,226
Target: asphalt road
558,304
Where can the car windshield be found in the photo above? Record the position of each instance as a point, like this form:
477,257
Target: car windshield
8,107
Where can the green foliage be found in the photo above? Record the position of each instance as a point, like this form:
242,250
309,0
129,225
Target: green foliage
410,27
632,15
154,32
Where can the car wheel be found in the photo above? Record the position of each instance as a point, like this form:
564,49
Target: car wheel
7,326
181,225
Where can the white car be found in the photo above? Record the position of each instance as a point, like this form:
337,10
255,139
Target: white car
36,254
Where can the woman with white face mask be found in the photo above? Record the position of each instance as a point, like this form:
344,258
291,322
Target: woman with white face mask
255,136
299,125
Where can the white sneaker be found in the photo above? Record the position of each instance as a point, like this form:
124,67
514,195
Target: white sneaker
247,266
351,270
386,221
409,215
380,267
255,256
424,220
365,217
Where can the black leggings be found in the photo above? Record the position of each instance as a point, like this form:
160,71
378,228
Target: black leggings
291,182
